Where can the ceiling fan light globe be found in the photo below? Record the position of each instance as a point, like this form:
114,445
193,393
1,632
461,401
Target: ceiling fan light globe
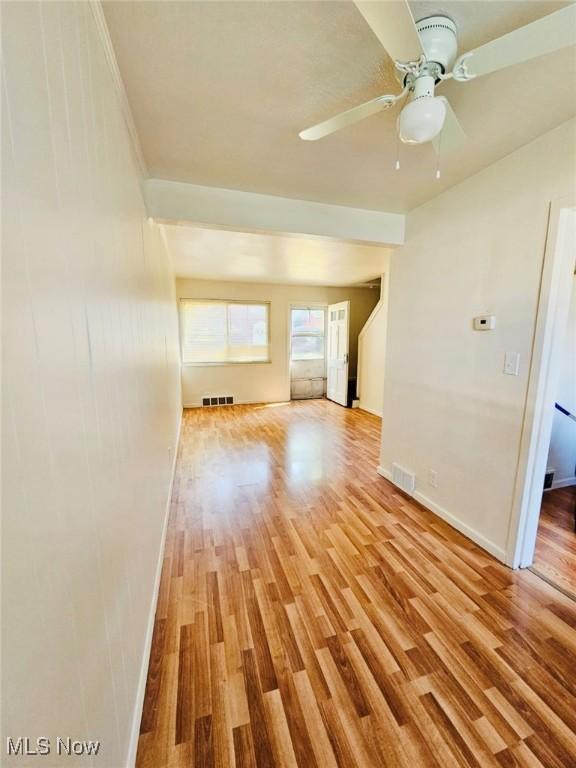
422,119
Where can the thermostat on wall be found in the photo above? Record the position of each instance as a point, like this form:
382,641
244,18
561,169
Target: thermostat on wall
485,323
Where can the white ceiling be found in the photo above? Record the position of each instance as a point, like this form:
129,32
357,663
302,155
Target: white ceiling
219,91
217,254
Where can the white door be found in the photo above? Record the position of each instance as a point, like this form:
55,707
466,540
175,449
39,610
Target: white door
337,352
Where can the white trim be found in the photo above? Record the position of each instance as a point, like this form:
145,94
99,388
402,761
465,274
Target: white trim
104,34
141,690
552,313
370,320
567,482
498,552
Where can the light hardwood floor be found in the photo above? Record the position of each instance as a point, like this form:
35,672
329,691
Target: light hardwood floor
309,615
555,556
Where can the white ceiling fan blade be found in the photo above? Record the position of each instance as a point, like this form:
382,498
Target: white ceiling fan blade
452,135
349,117
548,34
393,24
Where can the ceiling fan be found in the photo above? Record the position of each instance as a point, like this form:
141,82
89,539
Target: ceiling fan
425,54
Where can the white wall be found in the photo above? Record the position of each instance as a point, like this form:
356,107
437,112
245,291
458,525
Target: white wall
562,454
214,206
372,355
477,248
90,395
265,382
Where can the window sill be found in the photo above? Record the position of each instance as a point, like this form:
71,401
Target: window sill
226,363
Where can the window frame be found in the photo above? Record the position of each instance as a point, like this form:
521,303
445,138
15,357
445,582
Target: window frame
311,306
261,303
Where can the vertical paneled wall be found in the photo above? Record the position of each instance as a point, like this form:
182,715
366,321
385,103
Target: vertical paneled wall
90,389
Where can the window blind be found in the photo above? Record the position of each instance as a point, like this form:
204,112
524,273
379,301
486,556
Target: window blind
224,332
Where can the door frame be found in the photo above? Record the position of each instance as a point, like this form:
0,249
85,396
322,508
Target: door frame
551,318
303,305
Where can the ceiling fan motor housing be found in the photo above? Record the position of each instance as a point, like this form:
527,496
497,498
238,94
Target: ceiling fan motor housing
439,40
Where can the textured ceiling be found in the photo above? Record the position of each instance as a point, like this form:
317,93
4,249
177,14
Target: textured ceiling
216,254
219,91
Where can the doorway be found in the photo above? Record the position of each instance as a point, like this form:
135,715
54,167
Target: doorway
555,553
549,353
307,352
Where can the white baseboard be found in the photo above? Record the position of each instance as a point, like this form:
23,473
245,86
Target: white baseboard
498,552
373,411
564,483
139,704
384,472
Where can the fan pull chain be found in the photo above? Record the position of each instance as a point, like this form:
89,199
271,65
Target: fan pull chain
438,174
398,142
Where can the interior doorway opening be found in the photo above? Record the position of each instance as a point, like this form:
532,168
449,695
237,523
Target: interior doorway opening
307,352
555,552
548,359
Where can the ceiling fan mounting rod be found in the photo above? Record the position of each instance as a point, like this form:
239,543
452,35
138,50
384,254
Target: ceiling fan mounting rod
411,67
422,68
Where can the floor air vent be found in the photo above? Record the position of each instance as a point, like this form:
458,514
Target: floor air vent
218,400
403,478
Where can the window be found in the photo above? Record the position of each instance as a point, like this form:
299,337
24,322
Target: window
307,330
224,332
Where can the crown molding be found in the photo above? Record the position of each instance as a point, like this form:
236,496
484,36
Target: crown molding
105,39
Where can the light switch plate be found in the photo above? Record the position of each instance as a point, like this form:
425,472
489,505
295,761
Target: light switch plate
511,363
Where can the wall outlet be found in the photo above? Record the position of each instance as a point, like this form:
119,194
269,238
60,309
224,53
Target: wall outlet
433,478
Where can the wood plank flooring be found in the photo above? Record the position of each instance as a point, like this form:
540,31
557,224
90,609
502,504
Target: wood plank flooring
555,556
309,615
